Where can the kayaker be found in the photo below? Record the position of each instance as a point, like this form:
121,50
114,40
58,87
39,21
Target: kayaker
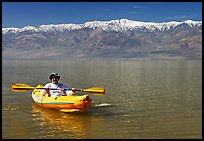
54,78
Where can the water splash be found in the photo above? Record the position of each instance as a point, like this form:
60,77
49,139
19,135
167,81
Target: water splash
103,105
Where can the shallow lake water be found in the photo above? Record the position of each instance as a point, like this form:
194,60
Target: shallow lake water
144,99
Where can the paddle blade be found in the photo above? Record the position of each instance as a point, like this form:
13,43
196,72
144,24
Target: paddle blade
94,90
96,94
21,87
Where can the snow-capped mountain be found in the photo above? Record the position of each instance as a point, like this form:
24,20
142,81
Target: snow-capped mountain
116,38
113,25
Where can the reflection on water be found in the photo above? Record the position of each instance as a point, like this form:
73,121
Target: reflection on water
144,99
51,123
54,124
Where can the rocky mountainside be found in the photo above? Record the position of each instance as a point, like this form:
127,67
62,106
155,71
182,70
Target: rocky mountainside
104,39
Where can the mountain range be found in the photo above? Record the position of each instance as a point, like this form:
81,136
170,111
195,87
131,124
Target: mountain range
121,38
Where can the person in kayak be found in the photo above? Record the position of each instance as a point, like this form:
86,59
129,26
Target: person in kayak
54,78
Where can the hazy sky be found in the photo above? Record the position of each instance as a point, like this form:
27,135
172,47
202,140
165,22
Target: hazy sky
20,14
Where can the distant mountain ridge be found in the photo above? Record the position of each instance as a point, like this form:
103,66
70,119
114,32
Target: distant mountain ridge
117,25
121,38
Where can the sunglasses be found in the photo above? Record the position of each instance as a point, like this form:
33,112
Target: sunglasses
54,77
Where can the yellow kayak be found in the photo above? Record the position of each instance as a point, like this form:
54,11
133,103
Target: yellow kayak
72,103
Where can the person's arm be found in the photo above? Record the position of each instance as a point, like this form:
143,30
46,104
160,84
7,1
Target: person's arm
69,92
72,92
45,91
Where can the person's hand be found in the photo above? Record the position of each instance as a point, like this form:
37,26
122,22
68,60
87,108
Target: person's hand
73,90
64,93
48,91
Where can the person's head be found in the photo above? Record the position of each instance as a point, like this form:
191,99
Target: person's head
54,77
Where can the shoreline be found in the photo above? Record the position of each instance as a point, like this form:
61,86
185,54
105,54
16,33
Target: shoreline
114,58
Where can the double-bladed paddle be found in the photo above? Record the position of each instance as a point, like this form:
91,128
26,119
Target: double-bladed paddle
18,87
